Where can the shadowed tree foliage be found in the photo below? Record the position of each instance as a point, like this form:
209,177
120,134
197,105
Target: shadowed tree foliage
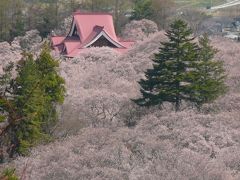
11,19
158,11
142,9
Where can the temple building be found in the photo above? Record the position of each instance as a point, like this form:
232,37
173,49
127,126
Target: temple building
89,30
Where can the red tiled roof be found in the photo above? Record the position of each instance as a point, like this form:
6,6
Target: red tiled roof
86,23
71,45
96,31
90,26
56,40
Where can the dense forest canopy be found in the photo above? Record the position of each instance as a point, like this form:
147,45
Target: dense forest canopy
19,16
166,109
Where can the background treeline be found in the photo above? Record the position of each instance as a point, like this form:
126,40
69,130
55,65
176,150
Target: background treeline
19,16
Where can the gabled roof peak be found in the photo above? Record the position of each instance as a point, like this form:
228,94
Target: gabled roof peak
89,29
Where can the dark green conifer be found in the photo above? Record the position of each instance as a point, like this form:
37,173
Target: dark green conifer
29,102
52,85
209,75
37,90
168,80
183,71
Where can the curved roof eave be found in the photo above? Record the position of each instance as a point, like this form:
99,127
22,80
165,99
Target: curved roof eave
106,35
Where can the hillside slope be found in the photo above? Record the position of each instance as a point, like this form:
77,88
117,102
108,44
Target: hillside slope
163,145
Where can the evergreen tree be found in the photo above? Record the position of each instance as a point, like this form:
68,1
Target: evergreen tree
39,89
169,79
52,84
209,76
29,106
183,71
30,102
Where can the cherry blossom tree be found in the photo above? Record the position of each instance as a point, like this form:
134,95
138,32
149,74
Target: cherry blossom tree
161,145
139,30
